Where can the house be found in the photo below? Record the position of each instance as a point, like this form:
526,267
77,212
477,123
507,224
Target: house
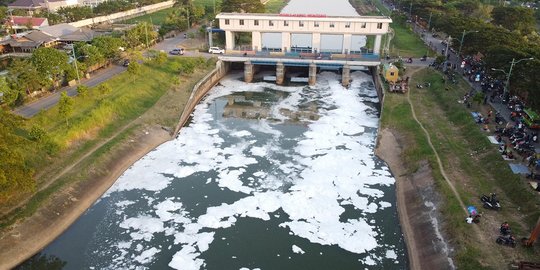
80,35
34,5
24,23
69,34
390,73
29,42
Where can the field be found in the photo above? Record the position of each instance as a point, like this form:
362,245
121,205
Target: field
157,18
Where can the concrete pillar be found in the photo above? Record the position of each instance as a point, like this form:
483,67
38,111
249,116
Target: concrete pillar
248,71
377,45
346,44
285,41
316,42
346,76
256,41
312,74
229,40
280,73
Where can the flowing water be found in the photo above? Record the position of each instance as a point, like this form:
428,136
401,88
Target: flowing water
264,177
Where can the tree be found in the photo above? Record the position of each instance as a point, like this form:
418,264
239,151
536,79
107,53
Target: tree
140,34
515,18
244,6
65,107
90,54
24,76
51,62
110,47
8,95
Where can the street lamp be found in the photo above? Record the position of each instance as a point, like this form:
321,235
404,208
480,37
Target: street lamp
462,37
507,84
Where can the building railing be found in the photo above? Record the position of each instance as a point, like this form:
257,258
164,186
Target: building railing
356,56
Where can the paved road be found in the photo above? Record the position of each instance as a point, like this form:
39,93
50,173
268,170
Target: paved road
31,109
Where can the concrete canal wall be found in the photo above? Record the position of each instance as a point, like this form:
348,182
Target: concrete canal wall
200,90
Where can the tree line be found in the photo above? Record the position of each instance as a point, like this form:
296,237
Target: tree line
498,33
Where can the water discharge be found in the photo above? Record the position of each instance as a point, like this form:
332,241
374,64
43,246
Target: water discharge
264,177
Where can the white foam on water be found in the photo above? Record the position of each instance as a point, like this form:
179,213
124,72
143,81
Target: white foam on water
296,249
147,255
333,167
391,254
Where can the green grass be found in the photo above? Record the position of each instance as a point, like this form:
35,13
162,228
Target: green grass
99,112
157,18
405,43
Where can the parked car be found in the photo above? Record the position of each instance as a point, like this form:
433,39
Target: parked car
177,51
126,63
215,50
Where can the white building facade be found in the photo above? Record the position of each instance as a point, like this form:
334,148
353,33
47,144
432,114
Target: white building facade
291,27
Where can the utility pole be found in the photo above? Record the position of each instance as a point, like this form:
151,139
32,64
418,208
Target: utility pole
429,21
146,32
448,40
76,68
462,37
210,41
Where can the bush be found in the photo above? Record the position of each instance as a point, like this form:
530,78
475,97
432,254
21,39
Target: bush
134,68
104,88
82,90
37,133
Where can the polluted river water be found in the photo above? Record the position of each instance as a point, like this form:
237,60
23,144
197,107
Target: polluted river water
264,177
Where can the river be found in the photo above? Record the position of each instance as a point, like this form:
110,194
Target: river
264,177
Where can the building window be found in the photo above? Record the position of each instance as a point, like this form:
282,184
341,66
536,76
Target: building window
348,25
332,25
256,22
285,23
379,26
363,25
270,23
316,24
227,21
241,22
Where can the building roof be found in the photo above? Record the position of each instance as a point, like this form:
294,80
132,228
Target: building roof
29,4
40,37
23,20
33,39
59,30
81,34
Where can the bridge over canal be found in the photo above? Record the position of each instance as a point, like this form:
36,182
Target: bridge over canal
315,41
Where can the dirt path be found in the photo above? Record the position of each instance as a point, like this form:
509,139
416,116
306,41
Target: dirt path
491,254
58,213
441,168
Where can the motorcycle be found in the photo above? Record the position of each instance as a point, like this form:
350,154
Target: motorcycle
499,119
506,240
491,202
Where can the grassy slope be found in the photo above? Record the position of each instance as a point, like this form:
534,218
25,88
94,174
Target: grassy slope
100,116
465,151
